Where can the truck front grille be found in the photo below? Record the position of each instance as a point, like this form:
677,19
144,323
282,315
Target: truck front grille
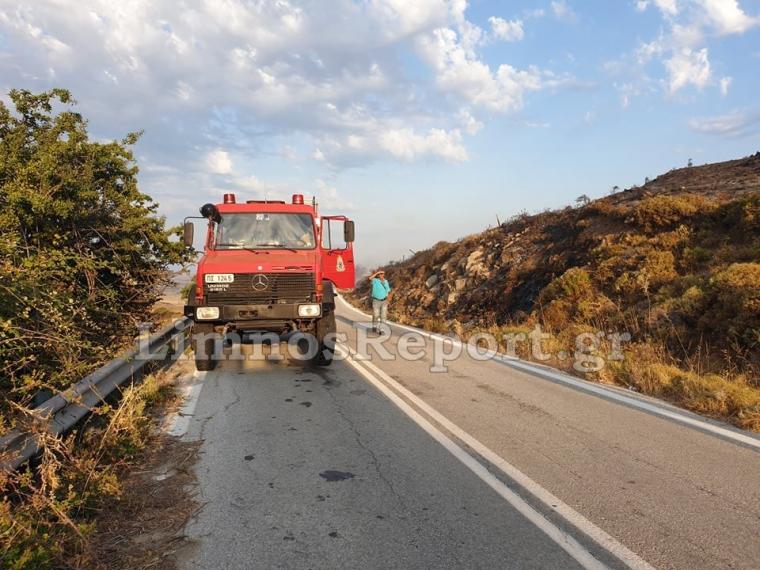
262,289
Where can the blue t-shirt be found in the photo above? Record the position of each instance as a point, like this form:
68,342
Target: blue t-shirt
380,289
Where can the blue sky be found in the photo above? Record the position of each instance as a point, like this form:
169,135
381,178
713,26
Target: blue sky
422,120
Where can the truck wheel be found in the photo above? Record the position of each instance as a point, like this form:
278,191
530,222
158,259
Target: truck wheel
191,295
204,359
324,327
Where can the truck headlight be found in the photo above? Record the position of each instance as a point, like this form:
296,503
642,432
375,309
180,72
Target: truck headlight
207,313
311,310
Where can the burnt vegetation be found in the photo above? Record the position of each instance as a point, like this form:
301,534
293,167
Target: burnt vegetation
675,262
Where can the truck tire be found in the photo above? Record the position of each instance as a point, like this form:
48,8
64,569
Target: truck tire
324,327
204,358
191,295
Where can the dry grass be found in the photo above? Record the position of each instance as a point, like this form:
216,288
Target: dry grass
143,527
48,516
647,368
727,398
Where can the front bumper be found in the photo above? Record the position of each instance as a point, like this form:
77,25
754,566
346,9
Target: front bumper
285,312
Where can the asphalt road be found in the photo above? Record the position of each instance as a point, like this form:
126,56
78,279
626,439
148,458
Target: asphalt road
383,464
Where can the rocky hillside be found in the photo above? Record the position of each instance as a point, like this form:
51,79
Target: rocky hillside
675,262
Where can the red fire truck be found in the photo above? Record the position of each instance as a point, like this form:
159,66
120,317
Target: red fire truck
268,266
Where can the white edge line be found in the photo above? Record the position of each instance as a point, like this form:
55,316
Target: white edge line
179,423
596,389
652,408
554,503
560,537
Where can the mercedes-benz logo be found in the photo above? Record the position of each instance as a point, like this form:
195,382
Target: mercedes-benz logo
260,282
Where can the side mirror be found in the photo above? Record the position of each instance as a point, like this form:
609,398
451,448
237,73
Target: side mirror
348,231
187,236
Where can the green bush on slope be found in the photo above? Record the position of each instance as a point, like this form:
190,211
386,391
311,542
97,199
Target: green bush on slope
81,248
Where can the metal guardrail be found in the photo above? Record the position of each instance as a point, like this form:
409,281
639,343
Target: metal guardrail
64,410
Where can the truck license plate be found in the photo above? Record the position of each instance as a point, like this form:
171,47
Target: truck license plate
219,277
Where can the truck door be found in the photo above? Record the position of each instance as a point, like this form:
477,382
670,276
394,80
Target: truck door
338,251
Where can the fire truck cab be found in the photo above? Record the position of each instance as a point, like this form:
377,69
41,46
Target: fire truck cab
268,266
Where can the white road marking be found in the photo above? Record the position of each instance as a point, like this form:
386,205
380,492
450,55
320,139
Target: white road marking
569,544
642,405
178,424
595,389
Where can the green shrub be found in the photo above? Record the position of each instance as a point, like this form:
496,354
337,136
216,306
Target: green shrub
658,268
696,256
47,520
739,287
662,212
737,302
82,251
572,285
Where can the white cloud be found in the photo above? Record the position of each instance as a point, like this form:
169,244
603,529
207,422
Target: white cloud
407,145
401,18
688,67
218,161
562,11
727,16
367,138
646,51
723,16
681,47
732,125
399,143
669,7
685,36
630,89
329,198
22,26
537,125
223,78
250,183
458,71
469,123
507,30
725,83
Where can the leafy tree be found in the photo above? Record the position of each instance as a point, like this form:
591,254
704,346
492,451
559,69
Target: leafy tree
82,251
582,200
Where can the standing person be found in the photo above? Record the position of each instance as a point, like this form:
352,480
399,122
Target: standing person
381,289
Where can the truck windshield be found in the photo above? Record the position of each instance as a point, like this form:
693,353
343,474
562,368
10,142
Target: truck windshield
265,231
